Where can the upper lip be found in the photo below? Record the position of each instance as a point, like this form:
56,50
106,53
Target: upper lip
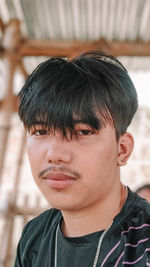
58,176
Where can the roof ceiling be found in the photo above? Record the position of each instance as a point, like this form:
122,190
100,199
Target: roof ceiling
80,19
72,20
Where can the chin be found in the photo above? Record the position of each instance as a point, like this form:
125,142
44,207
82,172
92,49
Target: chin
61,200
63,206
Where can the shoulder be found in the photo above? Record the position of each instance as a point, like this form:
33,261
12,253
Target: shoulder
142,207
138,206
36,232
142,211
136,215
49,216
37,227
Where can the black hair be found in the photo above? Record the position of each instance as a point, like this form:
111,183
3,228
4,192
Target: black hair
93,88
143,187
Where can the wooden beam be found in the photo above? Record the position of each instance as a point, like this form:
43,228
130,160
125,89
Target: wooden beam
69,49
126,48
53,48
14,103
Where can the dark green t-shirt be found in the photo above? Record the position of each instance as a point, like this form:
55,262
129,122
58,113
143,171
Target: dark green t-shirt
127,243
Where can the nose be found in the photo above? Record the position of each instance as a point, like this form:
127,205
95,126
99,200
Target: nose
58,151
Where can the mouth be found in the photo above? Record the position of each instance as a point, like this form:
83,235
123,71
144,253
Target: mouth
58,180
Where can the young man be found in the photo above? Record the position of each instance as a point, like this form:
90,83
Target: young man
76,113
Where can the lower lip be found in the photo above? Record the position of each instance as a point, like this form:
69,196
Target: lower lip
59,183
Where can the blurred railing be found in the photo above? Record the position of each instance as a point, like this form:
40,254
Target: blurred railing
12,220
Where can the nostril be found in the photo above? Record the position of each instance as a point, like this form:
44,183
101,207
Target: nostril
58,157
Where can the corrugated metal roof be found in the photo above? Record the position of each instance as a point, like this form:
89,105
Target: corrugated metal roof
82,20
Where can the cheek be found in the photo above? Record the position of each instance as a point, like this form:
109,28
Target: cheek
31,150
103,153
100,161
34,156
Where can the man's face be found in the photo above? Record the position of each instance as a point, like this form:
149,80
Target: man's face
77,173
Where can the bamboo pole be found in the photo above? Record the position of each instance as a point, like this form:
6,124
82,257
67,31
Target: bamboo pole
6,107
10,43
12,203
12,213
5,260
22,148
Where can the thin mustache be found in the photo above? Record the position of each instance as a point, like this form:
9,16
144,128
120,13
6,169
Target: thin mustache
60,169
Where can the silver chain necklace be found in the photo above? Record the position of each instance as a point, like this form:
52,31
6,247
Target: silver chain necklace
98,246
99,242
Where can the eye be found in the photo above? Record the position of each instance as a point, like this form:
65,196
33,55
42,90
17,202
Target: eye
39,132
84,132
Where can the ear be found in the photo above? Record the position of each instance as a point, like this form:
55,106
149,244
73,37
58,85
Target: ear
125,147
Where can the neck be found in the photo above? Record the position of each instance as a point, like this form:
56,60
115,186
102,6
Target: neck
93,218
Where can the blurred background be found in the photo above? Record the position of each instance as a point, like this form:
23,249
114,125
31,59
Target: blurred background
30,32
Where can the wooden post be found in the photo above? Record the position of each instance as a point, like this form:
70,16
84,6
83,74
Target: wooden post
10,43
21,150
11,214
6,110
